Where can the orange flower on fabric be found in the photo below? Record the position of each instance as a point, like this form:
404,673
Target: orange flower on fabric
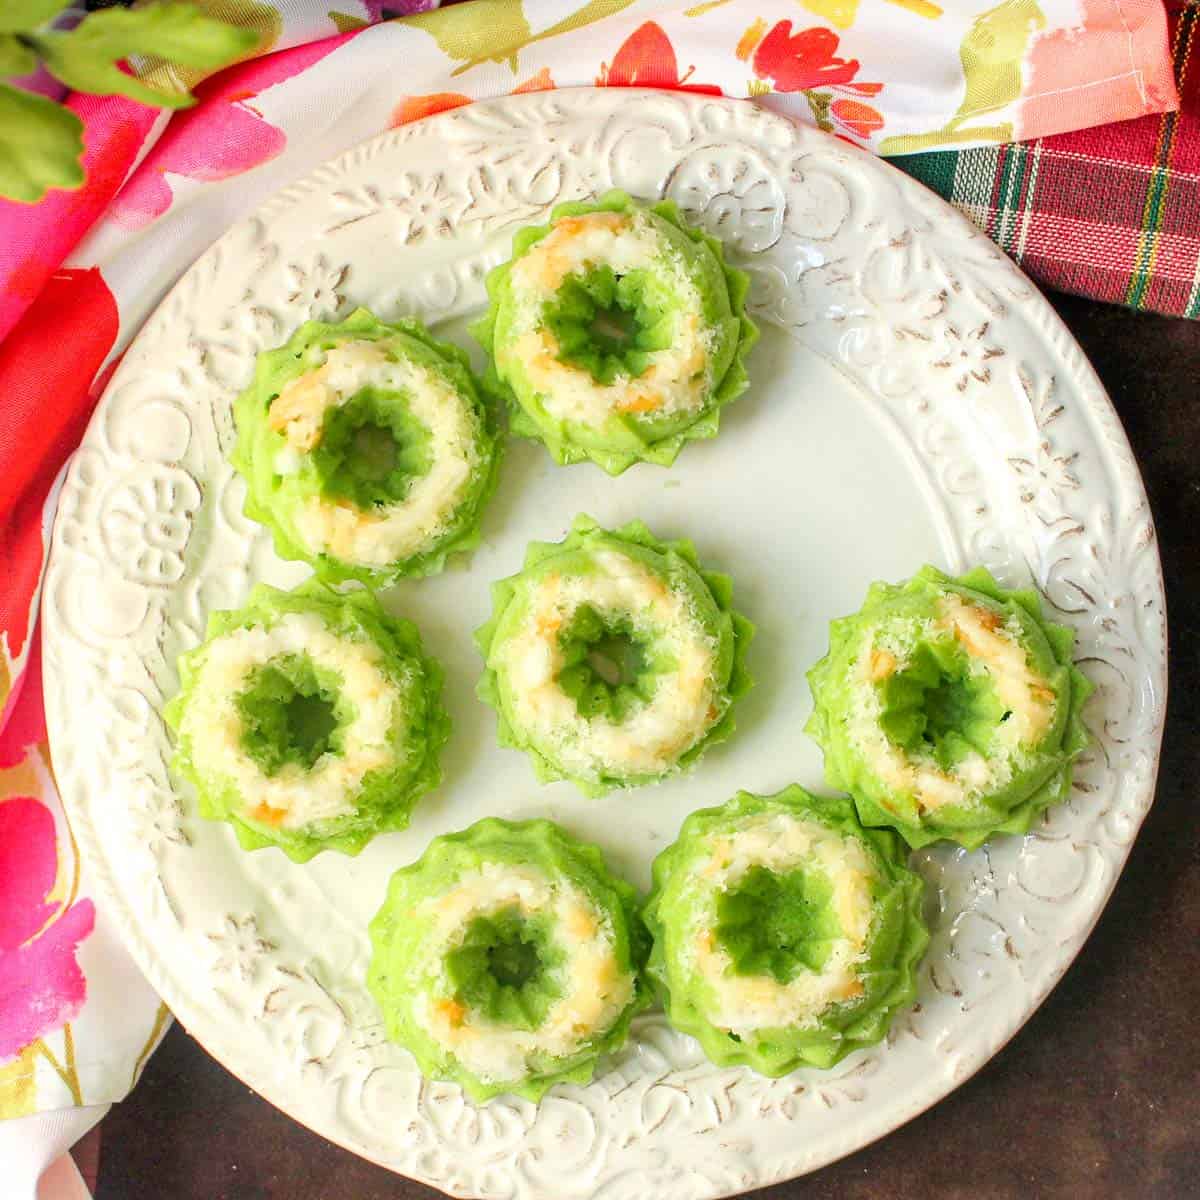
857,118
802,61
647,59
750,39
541,82
413,108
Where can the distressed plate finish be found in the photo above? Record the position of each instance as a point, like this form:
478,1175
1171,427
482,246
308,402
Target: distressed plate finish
915,398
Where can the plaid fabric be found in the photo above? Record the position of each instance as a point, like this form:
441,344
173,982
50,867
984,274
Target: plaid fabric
1111,212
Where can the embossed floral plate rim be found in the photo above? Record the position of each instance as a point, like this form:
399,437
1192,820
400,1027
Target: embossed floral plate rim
964,361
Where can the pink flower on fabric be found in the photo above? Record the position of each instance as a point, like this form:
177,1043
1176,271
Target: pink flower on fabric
41,984
384,10
223,135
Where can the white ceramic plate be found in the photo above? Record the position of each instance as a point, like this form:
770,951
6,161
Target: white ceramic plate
914,399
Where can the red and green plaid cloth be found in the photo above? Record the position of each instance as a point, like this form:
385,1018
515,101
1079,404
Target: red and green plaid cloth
1111,212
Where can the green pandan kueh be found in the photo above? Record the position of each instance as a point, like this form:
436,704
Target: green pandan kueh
280,745
949,708
785,934
508,958
626,626
342,483
608,330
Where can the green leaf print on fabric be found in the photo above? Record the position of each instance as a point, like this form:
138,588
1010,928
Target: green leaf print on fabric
496,30
993,58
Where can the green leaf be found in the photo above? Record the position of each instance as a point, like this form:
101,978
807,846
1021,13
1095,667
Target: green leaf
40,146
86,58
261,16
22,16
15,57
99,75
180,33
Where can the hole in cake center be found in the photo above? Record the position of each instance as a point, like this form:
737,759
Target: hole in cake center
514,962
309,721
777,924
949,705
613,328
937,706
375,451
372,449
616,659
504,968
289,714
606,324
609,668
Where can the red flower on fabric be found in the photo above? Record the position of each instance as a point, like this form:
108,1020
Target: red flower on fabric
796,62
647,59
41,984
807,62
75,308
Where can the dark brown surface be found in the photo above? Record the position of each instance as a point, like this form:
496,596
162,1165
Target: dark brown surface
1097,1097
